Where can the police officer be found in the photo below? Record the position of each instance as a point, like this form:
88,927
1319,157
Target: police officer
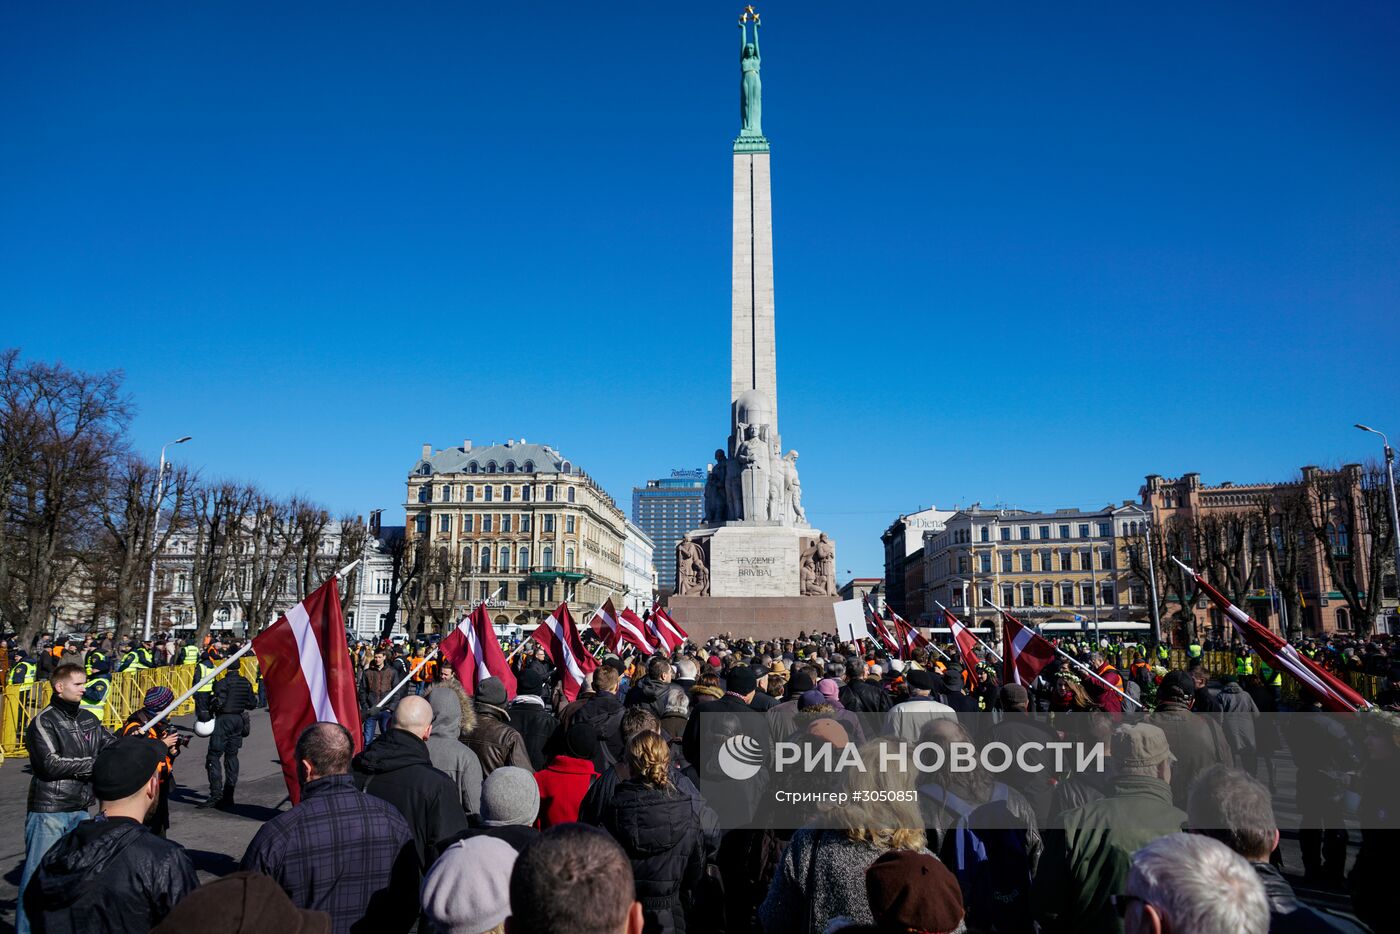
23,671
137,658
1193,650
203,695
94,699
232,698
94,657
189,655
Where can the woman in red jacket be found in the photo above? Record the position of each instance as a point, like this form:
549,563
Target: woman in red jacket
565,779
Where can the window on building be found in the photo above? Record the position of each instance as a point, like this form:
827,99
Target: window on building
986,533
549,494
1106,559
549,523
420,523
1047,594
1006,562
486,522
467,557
1138,595
1006,533
524,522
467,522
1107,593
471,493
522,558
425,492
525,493
1045,531
985,562
505,494
1027,595
486,493
464,590
1025,561
1066,559
485,559
963,564
547,557
571,494
505,522
1025,533
490,466
1086,561
445,494
505,558
547,594
1064,531
569,523
1008,595
986,595
522,592
444,522
568,557
1084,530
381,585
1066,595
1087,592
1045,560
1105,530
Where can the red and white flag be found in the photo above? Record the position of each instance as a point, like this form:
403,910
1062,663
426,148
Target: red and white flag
561,642
658,638
1024,654
604,624
964,639
1334,693
876,627
475,652
632,629
306,672
909,637
670,630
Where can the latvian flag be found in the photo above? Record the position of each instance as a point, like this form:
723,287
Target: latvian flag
909,637
876,627
669,629
966,642
1335,694
633,629
561,642
475,652
1024,653
307,675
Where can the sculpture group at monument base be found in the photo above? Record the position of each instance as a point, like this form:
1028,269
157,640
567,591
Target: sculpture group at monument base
756,559
759,618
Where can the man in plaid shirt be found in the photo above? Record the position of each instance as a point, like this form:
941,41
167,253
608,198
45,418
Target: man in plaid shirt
340,850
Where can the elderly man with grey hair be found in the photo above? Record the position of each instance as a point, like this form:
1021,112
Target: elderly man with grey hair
1187,882
1231,806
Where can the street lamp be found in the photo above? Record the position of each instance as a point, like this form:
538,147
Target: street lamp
155,530
1390,487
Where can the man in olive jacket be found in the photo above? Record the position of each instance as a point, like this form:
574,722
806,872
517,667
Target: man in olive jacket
1086,862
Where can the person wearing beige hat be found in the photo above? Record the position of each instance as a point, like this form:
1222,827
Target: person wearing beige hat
1086,862
468,889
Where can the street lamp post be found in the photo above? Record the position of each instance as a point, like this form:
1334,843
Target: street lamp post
1152,583
155,535
1390,487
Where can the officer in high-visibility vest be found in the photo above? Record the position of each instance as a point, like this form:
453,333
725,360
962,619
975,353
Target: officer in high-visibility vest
189,655
95,697
1244,665
94,657
1193,650
22,673
1163,653
202,710
137,658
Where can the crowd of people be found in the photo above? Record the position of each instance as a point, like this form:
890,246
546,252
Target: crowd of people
471,810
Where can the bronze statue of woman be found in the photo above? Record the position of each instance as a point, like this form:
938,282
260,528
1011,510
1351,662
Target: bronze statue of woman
750,88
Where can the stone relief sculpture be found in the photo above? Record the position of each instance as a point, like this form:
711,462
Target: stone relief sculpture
792,491
716,493
692,575
818,567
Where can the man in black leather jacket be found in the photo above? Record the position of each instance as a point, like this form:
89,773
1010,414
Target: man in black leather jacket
233,698
63,740
111,874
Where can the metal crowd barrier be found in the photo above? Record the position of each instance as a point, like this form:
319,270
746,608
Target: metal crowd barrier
126,695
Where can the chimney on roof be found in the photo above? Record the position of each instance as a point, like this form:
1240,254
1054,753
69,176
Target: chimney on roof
467,445
522,440
427,451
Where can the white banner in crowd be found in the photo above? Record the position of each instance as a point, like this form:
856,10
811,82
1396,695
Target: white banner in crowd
850,620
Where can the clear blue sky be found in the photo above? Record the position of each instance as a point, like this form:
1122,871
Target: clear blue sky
1025,252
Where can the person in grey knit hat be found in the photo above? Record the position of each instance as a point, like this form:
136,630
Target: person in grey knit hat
510,802
468,889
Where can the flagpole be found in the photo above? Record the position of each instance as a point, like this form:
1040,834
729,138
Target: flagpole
406,678
347,569
974,635
201,683
1078,664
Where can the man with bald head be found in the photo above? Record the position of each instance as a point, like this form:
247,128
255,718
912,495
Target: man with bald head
339,851
396,767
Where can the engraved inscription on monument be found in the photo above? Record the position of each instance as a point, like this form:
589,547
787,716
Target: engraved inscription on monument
752,562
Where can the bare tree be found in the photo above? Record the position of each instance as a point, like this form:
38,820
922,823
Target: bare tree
1178,537
60,432
1351,523
261,560
1223,538
351,539
306,534
129,514
1286,531
406,561
219,513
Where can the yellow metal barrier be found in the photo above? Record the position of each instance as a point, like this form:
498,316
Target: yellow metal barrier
21,703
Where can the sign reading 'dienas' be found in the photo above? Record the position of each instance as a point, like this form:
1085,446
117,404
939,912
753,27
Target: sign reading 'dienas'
753,562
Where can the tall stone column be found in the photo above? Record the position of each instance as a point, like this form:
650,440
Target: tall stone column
753,360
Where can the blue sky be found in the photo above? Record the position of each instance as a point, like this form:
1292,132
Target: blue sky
1025,253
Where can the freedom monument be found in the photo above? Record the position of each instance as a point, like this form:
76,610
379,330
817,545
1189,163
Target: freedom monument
756,560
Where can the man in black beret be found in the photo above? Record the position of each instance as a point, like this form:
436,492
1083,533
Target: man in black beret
111,873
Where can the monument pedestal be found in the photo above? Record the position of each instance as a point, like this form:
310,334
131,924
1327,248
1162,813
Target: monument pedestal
758,618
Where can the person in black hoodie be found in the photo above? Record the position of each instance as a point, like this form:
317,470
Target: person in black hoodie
396,768
603,712
530,717
656,827
231,701
652,689
111,874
